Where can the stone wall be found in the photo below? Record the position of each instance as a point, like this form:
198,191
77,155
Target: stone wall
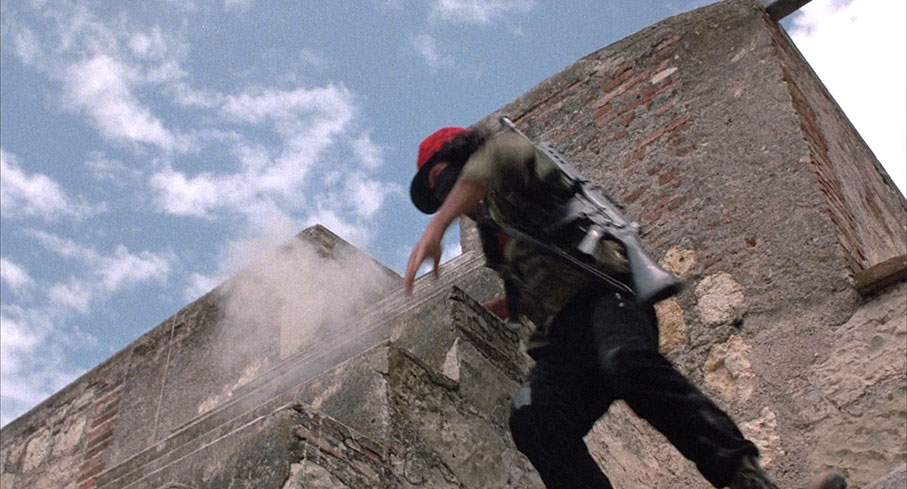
751,186
199,370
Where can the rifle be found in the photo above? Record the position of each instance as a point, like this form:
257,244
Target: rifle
599,218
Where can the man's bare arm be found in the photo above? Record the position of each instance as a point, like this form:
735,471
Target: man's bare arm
465,195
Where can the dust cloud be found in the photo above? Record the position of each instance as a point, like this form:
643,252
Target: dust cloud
305,296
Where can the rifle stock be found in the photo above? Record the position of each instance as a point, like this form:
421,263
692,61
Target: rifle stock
651,283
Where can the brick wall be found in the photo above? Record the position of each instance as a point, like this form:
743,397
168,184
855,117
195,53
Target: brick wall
861,199
99,435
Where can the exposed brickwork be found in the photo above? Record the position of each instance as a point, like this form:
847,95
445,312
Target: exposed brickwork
829,181
350,457
99,435
854,193
635,110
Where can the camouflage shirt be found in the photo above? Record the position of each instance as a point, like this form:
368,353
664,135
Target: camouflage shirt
522,182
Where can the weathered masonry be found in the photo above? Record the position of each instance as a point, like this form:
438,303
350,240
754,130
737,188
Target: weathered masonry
752,186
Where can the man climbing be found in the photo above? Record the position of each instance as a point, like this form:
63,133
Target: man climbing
593,342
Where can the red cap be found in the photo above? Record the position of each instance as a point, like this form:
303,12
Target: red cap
432,144
419,192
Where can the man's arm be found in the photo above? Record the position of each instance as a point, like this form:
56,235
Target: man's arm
463,197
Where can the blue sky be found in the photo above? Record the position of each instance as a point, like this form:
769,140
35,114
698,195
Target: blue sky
152,149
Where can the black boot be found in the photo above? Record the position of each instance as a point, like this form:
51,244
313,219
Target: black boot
830,480
749,475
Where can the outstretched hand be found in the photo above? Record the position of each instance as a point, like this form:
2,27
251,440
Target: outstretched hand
429,246
464,196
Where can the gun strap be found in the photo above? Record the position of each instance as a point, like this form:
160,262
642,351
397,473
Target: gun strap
567,258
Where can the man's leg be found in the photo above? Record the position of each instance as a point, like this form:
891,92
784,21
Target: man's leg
626,338
560,402
546,428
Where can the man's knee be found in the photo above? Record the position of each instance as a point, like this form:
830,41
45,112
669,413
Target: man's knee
615,361
523,426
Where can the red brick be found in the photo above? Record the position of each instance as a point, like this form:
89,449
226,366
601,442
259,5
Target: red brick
97,449
631,160
107,397
664,45
88,484
634,195
98,440
366,470
371,455
566,133
603,121
660,132
667,42
600,111
619,135
685,150
667,177
720,222
94,462
634,103
306,434
623,87
620,78
657,89
627,119
666,107
106,416
648,139
675,202
681,122
655,169
101,430
91,473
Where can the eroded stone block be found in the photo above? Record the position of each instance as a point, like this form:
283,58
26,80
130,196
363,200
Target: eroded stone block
728,370
720,300
672,329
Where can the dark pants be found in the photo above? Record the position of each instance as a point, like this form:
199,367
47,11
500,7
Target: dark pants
603,348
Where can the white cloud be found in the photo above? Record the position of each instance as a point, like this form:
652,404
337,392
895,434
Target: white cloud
368,195
182,195
367,152
74,294
198,285
859,51
101,86
64,247
314,127
27,46
33,194
110,171
102,65
108,273
152,44
14,275
428,48
22,332
124,268
478,12
31,365
240,4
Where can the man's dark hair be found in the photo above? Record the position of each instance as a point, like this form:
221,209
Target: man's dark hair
458,150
